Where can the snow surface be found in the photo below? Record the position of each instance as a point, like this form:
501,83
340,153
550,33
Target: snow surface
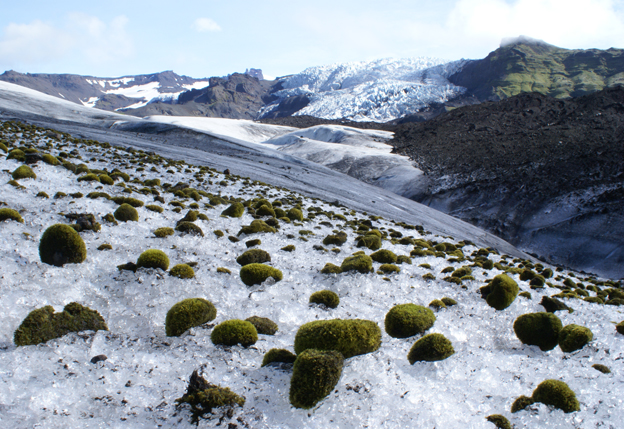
55,385
379,90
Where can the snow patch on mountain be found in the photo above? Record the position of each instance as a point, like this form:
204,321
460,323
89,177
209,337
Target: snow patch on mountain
379,90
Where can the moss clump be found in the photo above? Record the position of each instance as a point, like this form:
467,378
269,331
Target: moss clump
263,325
252,243
265,210
538,329
91,177
23,172
574,337
553,304
521,403
278,355
17,154
384,256
337,239
325,297
288,248
154,208
218,233
253,256
255,274
404,259
407,320
315,374
187,314
234,210
234,331
461,272
126,213
437,304
330,268
351,337
61,244
203,397
295,214
428,276
500,292
449,302
557,394
163,232
134,202
49,159
360,263
388,268
620,327
105,179
43,324
153,258
430,348
499,421
255,227
223,270
42,194
189,228
372,242
182,271
10,214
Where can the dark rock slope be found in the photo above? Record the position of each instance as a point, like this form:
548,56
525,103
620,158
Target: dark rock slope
545,174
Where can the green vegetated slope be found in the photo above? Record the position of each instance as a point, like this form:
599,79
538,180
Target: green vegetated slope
540,67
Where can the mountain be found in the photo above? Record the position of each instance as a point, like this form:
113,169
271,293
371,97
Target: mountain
131,373
525,65
541,172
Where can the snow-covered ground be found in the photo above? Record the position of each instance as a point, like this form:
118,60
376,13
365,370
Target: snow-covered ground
379,90
55,385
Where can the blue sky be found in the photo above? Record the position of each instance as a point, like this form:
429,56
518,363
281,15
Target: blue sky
214,38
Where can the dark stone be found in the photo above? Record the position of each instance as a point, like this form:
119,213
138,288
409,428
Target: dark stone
98,358
33,158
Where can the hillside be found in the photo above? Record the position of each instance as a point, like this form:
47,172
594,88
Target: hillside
132,373
543,173
535,66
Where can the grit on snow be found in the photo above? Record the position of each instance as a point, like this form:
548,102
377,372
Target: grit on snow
55,385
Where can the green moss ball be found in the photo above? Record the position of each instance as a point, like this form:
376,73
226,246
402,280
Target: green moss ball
574,337
557,394
407,320
360,263
10,214
234,331
278,355
105,179
384,256
187,314
182,271
61,244
538,329
255,274
330,268
265,210
189,228
372,242
620,327
154,208
164,232
23,172
234,210
325,297
153,258
351,337
503,291
430,348
295,214
263,325
126,212
49,159
499,421
253,256
17,154
91,177
521,403
315,374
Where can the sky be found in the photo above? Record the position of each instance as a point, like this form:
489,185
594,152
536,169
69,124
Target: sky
216,37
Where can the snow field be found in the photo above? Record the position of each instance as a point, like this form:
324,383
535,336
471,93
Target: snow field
55,385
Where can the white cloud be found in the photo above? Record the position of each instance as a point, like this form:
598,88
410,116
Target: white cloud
82,38
205,25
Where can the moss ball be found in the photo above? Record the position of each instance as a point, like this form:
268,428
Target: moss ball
384,256
265,210
163,232
325,297
91,177
449,302
404,259
263,325
430,348
278,355
288,248
23,172
557,394
189,228
538,329
315,374
187,314
49,159
372,242
126,212
234,331
337,239
252,243
437,304
574,337
153,258
61,244
10,214
44,324
602,368
154,208
330,268
253,256
521,403
351,337
105,179
389,268
360,263
295,214
17,154
620,327
407,320
499,421
503,291
182,271
105,246
255,274
234,210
